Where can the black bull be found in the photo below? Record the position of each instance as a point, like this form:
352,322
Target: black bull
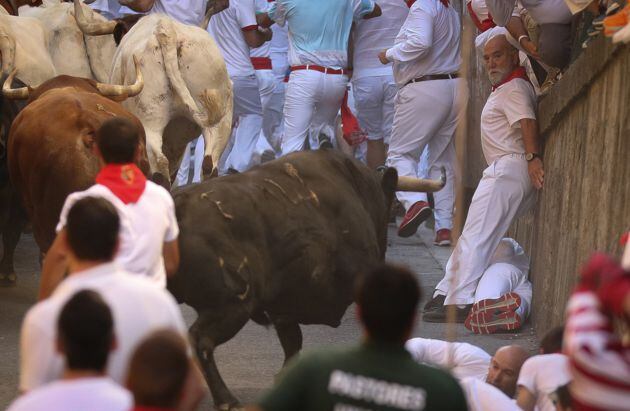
282,243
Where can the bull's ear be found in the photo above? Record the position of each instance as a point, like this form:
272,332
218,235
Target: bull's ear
389,180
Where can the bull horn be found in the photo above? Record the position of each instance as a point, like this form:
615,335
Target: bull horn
115,90
21,93
92,27
421,185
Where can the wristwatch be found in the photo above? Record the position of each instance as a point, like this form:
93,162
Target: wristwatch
531,156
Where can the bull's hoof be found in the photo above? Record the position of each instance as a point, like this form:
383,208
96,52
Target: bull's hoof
8,280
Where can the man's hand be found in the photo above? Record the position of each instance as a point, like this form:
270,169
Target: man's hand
267,33
383,57
530,48
536,172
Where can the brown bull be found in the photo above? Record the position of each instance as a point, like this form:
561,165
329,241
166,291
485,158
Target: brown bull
12,6
50,143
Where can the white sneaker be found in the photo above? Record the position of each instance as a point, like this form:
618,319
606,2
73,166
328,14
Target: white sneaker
623,35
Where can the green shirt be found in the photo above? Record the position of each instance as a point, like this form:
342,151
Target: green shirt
371,376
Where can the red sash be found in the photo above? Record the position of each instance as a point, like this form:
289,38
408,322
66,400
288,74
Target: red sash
261,63
484,25
517,73
126,181
352,133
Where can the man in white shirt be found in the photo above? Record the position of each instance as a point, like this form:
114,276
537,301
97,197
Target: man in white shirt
318,54
426,62
373,83
149,230
541,375
85,337
235,30
510,143
138,306
483,378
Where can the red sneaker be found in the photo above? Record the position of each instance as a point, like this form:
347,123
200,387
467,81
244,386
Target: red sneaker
443,237
507,302
416,214
490,323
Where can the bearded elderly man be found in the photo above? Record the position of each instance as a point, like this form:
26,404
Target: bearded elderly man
510,143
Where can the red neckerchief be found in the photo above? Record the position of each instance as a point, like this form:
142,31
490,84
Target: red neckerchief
352,132
410,2
126,181
517,73
484,25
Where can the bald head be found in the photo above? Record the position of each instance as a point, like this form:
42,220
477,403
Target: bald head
500,58
505,367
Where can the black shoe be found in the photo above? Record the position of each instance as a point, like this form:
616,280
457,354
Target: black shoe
435,303
441,314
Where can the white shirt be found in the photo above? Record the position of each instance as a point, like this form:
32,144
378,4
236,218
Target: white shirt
542,375
500,128
482,396
542,11
144,228
428,42
373,35
226,29
462,359
93,394
138,307
189,12
265,49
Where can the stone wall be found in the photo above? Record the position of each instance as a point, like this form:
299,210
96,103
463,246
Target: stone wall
585,204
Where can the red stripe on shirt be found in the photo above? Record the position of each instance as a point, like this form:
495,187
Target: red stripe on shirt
250,28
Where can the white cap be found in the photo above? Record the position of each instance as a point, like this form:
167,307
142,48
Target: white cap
483,39
576,6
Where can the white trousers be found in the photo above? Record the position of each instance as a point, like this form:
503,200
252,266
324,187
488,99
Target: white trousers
311,103
183,174
248,113
425,114
503,278
504,193
430,167
374,100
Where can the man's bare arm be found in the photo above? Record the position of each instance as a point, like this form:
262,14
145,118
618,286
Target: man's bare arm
141,6
516,28
256,38
525,399
264,20
54,267
170,251
375,13
529,127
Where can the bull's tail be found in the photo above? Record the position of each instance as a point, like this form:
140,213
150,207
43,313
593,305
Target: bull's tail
167,38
